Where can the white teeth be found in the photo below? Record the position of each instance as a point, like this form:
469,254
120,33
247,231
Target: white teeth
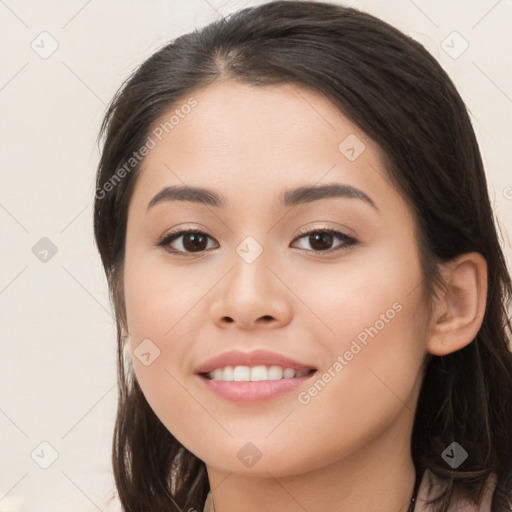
275,373
228,373
255,373
289,373
259,373
241,373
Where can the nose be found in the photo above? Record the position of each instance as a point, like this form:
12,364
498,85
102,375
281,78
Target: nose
251,297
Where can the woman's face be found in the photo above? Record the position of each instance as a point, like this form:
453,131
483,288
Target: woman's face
346,304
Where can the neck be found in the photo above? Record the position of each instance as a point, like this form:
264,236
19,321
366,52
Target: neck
380,476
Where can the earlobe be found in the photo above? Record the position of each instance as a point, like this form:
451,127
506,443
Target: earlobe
459,310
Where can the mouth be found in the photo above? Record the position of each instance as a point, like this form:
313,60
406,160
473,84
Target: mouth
248,377
248,385
255,373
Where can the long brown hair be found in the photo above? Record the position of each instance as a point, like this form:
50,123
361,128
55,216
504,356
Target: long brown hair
396,92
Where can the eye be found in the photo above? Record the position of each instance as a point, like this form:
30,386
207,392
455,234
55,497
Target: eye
193,241
321,240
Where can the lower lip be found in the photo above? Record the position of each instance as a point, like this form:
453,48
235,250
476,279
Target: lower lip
248,392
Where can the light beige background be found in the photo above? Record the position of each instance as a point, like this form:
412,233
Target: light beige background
57,363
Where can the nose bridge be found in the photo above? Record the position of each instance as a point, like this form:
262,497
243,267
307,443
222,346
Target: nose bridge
250,275
251,292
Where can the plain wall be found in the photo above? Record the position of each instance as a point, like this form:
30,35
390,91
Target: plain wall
57,363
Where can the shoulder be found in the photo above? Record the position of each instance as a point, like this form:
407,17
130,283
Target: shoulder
431,486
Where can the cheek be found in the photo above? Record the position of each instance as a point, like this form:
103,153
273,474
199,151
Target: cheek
164,310
377,320
369,321
160,299
370,294
374,373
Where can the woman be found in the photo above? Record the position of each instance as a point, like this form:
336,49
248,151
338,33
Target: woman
310,294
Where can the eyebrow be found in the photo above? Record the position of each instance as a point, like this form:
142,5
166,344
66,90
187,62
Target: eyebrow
291,197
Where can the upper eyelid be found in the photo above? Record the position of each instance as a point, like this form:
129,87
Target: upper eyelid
172,236
307,231
298,234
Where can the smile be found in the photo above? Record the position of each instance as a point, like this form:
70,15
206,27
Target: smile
255,373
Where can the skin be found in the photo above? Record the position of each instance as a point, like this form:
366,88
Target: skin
348,448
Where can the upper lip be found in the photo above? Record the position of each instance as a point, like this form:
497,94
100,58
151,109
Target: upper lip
255,358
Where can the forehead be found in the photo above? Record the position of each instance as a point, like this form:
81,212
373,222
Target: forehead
257,141
283,118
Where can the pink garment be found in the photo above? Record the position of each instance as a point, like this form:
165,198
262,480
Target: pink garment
423,495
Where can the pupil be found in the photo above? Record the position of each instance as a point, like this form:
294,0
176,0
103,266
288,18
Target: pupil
195,241
324,238
192,241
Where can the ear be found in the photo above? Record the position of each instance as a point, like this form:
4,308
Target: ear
459,310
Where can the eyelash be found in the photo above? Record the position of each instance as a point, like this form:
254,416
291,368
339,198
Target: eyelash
348,241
